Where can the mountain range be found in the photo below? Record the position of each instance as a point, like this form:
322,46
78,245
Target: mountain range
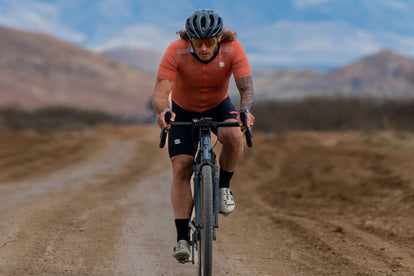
37,71
385,74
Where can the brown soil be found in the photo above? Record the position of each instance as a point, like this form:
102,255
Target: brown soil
308,203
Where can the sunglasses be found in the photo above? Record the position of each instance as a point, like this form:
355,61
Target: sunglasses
208,42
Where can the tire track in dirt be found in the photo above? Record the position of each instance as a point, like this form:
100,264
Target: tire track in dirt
306,204
36,209
326,204
15,194
108,215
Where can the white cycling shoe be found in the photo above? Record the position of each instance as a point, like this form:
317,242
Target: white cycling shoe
182,251
226,206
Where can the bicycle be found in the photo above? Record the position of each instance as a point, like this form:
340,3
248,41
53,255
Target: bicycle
204,224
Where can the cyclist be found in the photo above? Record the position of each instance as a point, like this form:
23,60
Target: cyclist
196,70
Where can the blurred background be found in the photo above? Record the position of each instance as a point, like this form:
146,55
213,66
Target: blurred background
328,184
317,64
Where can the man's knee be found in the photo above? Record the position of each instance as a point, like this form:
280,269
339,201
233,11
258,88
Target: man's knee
182,166
231,137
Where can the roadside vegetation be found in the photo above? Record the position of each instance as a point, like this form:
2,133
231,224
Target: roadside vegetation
319,114
49,120
335,114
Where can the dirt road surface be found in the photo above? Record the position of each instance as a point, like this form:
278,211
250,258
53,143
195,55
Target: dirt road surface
308,203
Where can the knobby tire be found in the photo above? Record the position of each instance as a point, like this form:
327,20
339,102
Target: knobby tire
205,254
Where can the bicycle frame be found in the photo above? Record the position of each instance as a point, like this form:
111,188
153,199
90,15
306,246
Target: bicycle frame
205,157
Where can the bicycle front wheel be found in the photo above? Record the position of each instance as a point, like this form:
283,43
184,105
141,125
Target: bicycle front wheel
205,249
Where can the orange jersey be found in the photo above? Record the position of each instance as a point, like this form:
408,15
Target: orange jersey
201,86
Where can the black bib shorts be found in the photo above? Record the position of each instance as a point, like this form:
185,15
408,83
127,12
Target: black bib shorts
182,140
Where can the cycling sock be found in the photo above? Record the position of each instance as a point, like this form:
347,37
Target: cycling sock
225,178
182,229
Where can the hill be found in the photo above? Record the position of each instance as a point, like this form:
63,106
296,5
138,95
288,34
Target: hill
145,60
39,71
383,74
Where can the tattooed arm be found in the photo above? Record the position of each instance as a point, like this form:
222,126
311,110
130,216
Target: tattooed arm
245,86
160,100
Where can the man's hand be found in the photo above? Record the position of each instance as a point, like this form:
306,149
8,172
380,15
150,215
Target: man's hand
250,119
161,119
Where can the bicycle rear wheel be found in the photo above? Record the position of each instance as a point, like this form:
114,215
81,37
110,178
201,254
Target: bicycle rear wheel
205,246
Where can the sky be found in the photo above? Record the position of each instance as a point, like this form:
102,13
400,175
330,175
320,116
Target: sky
319,34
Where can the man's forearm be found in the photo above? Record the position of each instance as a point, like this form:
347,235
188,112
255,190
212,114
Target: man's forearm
162,90
160,105
245,87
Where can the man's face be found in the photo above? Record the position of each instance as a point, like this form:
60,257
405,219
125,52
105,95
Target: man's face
205,48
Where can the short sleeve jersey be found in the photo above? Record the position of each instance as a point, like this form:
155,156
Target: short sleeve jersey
201,86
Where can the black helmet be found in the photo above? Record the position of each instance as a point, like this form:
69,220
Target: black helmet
208,20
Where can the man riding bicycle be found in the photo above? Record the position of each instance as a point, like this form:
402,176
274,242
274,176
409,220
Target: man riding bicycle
196,70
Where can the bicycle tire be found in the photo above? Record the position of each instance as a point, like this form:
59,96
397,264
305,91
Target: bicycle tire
205,249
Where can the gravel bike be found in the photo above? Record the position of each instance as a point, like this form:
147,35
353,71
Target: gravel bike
204,223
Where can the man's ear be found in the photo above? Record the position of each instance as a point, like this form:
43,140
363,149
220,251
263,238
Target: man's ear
220,37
